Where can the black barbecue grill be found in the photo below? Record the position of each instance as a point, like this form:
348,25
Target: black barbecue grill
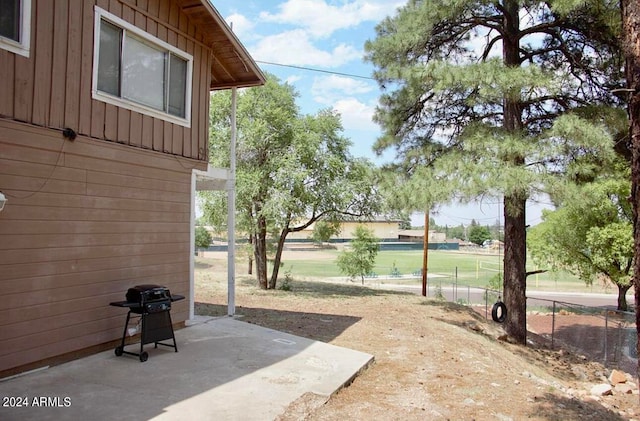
150,306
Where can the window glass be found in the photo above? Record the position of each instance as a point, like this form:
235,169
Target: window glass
143,76
177,85
139,72
109,58
10,19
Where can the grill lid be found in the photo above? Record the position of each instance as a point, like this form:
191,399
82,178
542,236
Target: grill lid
146,293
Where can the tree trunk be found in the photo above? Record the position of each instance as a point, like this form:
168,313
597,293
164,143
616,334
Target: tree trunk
278,258
515,261
631,45
260,252
515,239
250,263
622,297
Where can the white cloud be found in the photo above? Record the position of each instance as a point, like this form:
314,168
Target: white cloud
295,48
242,27
321,19
355,114
291,80
329,89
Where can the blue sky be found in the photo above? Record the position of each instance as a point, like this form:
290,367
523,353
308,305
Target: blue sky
329,36
325,35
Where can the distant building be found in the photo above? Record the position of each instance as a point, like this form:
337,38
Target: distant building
418,236
384,229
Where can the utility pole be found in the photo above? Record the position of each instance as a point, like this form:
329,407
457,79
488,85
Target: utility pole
425,253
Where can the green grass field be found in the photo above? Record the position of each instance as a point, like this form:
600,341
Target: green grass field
449,266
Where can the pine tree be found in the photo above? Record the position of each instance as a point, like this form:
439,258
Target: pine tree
631,45
497,98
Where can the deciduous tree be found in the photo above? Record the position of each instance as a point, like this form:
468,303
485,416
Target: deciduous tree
324,230
360,258
478,234
292,170
202,237
590,234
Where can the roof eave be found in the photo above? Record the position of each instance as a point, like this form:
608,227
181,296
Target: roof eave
256,78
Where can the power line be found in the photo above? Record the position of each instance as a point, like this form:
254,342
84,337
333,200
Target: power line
315,70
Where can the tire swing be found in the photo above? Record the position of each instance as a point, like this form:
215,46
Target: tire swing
499,312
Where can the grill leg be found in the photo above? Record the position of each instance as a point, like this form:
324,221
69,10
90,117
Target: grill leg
124,332
120,349
173,335
143,336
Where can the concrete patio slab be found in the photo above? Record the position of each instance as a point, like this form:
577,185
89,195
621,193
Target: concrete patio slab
225,369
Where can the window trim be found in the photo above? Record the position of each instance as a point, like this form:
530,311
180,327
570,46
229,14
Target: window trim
101,14
23,46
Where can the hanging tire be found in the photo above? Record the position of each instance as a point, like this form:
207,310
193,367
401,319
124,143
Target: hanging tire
499,312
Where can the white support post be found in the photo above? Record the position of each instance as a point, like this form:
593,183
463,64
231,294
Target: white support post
231,218
192,247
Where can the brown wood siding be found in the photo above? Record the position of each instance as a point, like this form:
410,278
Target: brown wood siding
85,220
89,218
52,87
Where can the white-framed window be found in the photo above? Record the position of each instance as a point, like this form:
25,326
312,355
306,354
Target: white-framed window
135,70
15,26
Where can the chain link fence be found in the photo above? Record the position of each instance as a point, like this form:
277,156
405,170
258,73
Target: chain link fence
601,334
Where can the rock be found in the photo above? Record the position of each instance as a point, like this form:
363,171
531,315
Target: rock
579,372
623,389
474,326
601,390
617,376
469,401
576,393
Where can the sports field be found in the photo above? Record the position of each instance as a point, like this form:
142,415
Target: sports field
480,269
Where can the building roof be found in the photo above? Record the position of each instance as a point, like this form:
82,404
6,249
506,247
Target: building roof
411,233
232,66
415,233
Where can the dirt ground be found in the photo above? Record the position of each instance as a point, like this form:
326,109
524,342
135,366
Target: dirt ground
433,360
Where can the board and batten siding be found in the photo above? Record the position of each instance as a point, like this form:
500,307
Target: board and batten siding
85,221
88,218
52,87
